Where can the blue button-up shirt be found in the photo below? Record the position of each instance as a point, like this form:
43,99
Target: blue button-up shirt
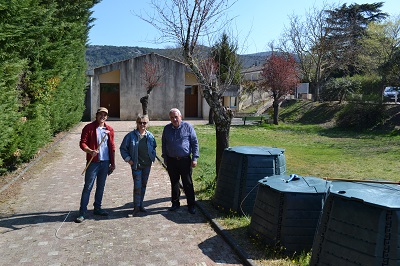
180,142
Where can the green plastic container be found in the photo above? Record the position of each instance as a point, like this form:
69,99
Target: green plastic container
286,213
359,226
241,169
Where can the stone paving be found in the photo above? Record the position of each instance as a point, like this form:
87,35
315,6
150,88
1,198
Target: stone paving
37,226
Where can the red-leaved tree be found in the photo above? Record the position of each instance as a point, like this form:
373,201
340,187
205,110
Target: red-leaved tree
151,77
280,75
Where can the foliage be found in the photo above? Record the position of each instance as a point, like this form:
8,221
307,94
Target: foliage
368,84
42,79
280,75
279,72
9,102
361,116
347,27
381,51
345,41
225,54
336,89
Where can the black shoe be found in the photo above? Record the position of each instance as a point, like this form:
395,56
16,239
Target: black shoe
191,210
174,207
142,209
79,219
135,213
100,212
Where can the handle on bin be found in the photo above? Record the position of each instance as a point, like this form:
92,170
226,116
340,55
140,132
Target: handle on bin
292,177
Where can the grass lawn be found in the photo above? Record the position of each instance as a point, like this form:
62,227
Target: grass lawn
310,150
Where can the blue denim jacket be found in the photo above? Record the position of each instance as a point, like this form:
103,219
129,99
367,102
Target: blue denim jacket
129,148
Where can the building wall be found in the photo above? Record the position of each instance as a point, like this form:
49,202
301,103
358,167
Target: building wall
168,95
205,108
110,77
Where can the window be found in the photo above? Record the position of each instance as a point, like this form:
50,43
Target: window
233,102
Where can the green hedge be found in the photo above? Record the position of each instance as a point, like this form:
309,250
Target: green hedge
42,73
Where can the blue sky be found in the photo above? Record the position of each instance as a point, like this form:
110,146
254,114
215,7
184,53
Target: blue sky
256,22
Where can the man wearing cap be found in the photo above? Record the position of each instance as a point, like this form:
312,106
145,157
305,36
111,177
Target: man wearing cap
97,140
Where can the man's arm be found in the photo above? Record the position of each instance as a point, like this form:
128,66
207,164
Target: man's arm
164,146
194,146
85,141
111,147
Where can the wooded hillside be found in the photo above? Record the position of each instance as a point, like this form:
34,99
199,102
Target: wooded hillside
100,55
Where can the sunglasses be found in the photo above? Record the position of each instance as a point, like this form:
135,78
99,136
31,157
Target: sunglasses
143,123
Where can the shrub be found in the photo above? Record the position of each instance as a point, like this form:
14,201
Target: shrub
360,116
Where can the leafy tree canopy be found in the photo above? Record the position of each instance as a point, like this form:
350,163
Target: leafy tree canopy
347,26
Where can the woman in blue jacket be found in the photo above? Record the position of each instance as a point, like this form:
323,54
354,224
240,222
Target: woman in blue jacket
138,148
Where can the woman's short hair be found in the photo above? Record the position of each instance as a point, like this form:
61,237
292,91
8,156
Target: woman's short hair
140,118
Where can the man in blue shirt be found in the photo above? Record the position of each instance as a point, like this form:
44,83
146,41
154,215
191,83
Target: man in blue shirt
180,150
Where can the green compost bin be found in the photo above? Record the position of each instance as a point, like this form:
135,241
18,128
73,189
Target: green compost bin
360,225
287,210
240,170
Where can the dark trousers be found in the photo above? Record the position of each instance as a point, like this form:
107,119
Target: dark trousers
177,169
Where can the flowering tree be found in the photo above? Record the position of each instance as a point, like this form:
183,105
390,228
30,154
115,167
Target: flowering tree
151,77
279,75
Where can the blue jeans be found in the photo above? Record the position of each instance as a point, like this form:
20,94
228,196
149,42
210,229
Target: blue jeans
99,170
140,178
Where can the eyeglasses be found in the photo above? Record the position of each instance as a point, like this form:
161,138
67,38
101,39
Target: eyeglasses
143,123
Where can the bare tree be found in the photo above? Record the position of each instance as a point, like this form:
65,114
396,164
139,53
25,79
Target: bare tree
151,77
307,39
187,23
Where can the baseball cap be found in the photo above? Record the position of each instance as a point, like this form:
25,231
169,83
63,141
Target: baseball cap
102,109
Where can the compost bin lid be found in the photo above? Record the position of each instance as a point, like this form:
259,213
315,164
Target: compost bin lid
256,150
373,193
296,183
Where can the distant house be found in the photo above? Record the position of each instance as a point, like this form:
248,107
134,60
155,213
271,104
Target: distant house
302,91
231,97
120,85
250,97
252,73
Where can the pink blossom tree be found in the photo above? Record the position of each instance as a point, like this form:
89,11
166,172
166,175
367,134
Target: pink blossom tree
280,75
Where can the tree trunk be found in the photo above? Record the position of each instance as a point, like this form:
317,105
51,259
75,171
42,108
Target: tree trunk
275,105
145,102
222,141
211,117
222,115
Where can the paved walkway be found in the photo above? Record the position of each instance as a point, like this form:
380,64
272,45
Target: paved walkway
37,227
